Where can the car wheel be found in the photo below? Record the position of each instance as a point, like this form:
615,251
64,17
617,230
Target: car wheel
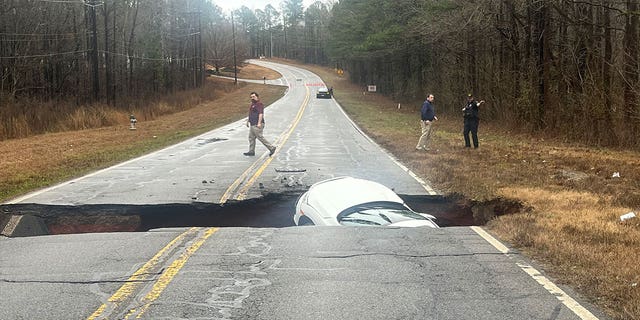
304,221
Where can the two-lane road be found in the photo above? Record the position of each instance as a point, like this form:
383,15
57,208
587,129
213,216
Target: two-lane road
267,273
315,141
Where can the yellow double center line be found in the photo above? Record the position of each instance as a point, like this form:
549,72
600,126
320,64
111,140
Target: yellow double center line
242,191
127,292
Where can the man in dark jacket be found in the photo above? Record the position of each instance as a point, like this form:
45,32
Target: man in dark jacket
427,116
471,120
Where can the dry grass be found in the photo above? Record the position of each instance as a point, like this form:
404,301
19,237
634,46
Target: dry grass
20,118
252,71
37,161
572,223
578,236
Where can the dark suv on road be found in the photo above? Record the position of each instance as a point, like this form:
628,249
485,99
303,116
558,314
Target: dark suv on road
323,93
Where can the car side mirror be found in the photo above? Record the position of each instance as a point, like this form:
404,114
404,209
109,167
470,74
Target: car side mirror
428,216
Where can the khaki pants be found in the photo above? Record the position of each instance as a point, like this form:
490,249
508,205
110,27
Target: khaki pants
256,133
423,143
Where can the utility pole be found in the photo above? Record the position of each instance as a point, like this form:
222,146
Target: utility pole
196,60
201,66
107,55
94,50
197,64
235,65
284,28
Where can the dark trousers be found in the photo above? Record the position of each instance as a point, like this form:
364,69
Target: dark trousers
471,125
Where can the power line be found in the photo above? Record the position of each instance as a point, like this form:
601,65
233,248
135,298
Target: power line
60,38
148,59
74,1
44,55
62,1
41,34
170,59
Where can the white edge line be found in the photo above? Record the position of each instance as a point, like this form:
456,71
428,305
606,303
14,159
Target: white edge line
569,302
551,287
493,241
36,193
41,191
424,185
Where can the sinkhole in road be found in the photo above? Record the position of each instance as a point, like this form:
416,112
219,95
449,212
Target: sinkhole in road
269,211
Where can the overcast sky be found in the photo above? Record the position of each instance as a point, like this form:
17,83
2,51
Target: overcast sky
228,5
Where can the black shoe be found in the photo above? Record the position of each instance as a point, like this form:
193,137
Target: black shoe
272,151
249,154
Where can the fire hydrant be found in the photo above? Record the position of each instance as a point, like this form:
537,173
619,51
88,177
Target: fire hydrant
132,120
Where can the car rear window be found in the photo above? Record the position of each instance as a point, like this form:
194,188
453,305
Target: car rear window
377,213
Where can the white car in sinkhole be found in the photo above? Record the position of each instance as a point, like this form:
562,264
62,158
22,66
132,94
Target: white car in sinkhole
348,201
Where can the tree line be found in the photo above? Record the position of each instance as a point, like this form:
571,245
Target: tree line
119,52
98,50
566,67
102,49
290,31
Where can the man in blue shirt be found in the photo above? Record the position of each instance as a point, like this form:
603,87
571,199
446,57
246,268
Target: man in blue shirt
427,117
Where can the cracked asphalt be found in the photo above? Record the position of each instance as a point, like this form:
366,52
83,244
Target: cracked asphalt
275,273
